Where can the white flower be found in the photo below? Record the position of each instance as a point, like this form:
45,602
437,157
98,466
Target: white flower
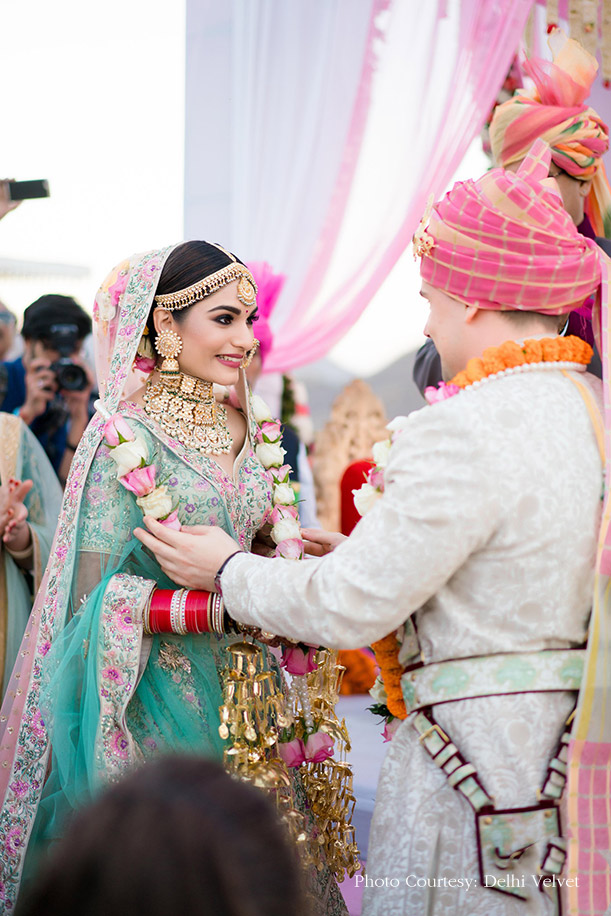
129,455
158,503
284,495
285,529
260,410
397,425
365,498
381,451
270,454
377,692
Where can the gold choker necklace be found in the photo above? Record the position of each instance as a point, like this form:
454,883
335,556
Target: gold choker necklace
186,409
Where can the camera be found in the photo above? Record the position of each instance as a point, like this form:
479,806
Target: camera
64,338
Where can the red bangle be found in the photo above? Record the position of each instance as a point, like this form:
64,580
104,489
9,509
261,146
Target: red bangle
159,616
181,612
196,612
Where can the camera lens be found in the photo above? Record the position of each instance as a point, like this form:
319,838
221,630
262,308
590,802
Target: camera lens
71,377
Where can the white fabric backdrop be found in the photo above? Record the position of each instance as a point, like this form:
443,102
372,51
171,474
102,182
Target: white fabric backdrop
278,96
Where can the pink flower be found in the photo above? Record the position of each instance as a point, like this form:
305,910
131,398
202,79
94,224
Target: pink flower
19,788
145,363
171,521
318,747
390,729
297,661
61,552
281,475
281,512
270,430
112,674
117,430
292,752
376,479
291,549
44,648
440,393
141,481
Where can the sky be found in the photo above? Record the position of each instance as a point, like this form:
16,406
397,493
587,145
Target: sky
96,106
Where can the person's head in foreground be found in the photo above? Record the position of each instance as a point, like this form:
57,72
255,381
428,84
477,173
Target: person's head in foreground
556,111
178,836
502,260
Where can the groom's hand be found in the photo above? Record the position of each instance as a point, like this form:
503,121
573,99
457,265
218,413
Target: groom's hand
190,557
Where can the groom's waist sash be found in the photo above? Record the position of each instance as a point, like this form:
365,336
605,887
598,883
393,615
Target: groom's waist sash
492,675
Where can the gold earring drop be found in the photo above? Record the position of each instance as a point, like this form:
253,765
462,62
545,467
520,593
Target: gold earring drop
169,344
250,355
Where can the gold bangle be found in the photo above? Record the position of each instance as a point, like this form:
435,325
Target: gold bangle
146,614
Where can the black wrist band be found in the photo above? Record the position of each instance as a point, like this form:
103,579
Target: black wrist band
220,570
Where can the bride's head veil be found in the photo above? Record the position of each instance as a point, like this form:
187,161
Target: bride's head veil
122,307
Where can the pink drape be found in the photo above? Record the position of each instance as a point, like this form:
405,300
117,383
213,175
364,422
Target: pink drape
485,35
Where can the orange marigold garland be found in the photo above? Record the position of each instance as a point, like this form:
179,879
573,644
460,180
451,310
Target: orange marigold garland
510,355
387,657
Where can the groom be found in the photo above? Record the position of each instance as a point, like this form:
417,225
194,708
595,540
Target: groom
480,554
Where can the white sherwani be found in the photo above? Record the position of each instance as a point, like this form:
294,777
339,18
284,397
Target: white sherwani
487,533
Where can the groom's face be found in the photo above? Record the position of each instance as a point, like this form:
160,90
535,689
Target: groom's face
446,327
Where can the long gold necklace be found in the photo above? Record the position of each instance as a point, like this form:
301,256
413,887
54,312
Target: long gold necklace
186,409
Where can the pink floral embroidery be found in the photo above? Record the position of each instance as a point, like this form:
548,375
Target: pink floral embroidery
38,726
61,552
124,620
44,647
120,744
95,495
14,841
112,674
19,788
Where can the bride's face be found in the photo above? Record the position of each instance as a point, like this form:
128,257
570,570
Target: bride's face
216,332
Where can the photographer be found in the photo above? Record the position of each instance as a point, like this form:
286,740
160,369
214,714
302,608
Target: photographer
49,387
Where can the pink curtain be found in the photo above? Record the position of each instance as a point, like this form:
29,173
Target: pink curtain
445,97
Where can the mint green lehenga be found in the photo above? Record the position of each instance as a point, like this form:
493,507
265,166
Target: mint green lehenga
102,697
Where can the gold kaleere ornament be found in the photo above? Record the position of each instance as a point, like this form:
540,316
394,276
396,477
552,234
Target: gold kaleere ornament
254,715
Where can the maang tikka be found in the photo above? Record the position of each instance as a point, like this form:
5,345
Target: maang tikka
184,406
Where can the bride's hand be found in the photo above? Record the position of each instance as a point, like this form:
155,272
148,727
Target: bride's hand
318,543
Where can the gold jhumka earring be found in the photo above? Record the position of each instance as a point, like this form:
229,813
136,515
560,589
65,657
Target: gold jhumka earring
184,406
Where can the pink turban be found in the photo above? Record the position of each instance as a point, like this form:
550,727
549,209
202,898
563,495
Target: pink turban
269,287
506,242
556,111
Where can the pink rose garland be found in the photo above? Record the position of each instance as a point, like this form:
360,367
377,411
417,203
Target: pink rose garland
129,454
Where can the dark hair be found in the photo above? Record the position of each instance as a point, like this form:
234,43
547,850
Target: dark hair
190,262
175,836
41,315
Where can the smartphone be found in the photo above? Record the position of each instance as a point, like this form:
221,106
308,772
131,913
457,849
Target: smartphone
27,190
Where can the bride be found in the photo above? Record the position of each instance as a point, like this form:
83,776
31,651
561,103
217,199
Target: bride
116,664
